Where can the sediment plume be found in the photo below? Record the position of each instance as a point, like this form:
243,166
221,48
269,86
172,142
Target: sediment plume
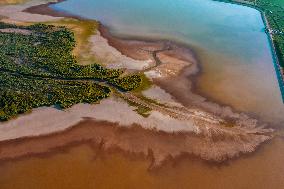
160,146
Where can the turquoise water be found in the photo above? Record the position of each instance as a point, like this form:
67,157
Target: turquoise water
203,23
229,40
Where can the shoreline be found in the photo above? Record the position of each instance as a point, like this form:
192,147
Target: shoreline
278,68
254,136
44,9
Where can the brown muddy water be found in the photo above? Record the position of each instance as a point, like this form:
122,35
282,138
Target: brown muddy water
85,167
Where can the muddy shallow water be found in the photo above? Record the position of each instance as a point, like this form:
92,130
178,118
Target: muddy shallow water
87,167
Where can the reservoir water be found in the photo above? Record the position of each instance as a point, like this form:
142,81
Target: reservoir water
237,69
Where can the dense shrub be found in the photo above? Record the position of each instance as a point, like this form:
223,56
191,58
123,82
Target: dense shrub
40,70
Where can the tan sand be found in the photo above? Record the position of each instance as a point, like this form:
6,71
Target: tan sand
158,94
14,13
39,122
112,58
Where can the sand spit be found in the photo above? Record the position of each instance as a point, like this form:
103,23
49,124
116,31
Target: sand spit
113,58
158,94
165,58
120,112
188,123
160,146
194,131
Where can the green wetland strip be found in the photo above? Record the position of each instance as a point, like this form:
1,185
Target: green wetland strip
37,69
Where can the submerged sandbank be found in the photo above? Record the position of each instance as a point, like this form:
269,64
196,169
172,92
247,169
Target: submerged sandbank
158,145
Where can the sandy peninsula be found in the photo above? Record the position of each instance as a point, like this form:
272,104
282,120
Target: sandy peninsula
179,121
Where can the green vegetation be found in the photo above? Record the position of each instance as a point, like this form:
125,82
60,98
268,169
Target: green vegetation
274,12
280,53
126,83
83,30
139,108
145,83
37,68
